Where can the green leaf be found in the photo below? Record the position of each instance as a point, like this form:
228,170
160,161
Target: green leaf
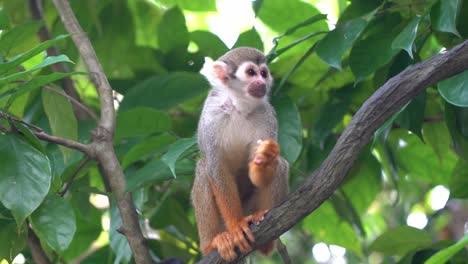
249,38
405,39
289,128
156,171
412,117
141,121
118,242
25,177
325,226
13,242
88,226
146,16
456,119
334,45
54,222
455,89
4,22
176,150
444,16
365,176
31,53
401,240
16,35
373,52
208,43
30,137
444,255
36,82
200,5
61,118
165,91
437,136
172,31
332,114
155,144
459,180
46,62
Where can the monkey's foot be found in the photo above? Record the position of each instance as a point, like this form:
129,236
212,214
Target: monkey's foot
225,245
257,217
262,167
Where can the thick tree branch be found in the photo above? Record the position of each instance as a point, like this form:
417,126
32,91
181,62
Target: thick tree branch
103,135
37,13
386,101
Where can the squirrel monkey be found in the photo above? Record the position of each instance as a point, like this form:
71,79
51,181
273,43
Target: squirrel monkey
240,174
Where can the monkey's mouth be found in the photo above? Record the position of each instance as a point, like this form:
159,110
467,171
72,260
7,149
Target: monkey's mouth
257,91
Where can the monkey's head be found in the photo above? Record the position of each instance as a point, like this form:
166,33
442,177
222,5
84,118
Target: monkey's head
243,71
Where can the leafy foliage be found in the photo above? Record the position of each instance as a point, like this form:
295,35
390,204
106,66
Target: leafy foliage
152,52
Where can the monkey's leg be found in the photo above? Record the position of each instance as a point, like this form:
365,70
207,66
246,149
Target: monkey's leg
207,216
228,201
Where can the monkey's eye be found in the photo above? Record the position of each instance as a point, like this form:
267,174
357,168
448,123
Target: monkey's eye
264,74
251,72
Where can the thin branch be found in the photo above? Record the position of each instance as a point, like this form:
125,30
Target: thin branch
75,173
35,246
103,135
73,101
49,138
385,102
37,13
283,251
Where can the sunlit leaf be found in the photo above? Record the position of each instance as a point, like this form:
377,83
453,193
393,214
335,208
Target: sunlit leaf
172,31
444,255
25,177
31,53
61,118
455,89
18,35
208,43
54,222
401,240
46,62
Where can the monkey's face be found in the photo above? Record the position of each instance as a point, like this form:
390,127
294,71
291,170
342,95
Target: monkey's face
252,79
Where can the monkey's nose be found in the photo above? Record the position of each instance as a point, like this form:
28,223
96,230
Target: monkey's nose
257,89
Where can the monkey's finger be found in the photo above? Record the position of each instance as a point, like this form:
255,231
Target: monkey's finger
247,231
242,243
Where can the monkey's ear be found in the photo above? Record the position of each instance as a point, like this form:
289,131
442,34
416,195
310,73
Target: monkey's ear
216,72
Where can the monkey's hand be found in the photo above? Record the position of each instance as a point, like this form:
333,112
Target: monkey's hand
263,164
225,245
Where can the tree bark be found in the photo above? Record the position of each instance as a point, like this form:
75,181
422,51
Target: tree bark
385,102
102,144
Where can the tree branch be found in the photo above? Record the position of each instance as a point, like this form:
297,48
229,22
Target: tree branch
49,138
386,101
103,135
35,246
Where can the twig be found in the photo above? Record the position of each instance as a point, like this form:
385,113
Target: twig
75,173
34,245
49,138
385,102
283,251
73,101
37,13
103,135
